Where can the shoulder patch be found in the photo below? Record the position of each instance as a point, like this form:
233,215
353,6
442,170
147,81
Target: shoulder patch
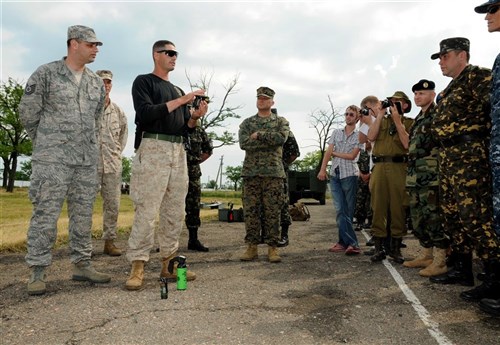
30,89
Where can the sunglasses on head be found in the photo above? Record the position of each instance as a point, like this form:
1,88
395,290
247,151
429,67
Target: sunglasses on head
168,52
492,9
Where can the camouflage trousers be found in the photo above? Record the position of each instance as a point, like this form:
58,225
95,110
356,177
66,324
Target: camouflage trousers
263,199
363,209
285,218
495,170
425,216
110,192
466,202
50,185
193,199
158,186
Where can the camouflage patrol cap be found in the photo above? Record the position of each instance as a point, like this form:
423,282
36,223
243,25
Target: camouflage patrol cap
105,74
423,84
265,91
402,95
484,7
83,33
449,44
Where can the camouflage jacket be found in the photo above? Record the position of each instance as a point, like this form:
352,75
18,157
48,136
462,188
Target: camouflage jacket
264,156
364,162
495,106
113,134
423,150
61,116
464,105
199,143
290,149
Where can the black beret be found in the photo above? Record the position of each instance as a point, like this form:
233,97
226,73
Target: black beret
423,85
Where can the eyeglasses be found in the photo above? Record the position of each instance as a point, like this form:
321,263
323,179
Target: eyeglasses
492,9
350,114
168,52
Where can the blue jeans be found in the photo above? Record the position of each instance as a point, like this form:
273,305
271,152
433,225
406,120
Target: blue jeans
344,200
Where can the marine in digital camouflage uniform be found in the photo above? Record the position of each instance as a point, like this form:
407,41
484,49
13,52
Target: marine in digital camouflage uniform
262,137
113,134
200,149
492,17
62,104
423,187
462,125
290,153
363,210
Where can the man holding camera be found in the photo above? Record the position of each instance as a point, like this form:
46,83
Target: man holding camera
159,181
388,179
462,125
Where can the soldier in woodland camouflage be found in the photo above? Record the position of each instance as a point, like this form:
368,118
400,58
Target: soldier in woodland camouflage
422,185
113,134
492,10
462,125
262,137
60,109
200,149
290,153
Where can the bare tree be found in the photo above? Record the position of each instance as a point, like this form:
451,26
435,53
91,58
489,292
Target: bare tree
323,122
216,118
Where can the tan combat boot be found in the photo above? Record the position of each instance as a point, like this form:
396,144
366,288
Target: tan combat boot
273,255
110,248
423,260
36,284
250,254
136,278
190,275
84,271
438,265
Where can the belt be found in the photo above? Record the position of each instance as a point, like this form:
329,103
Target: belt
390,159
460,139
164,137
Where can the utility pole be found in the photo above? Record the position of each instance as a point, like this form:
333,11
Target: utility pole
219,172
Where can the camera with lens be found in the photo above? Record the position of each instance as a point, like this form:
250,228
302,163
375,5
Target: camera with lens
365,111
198,99
386,103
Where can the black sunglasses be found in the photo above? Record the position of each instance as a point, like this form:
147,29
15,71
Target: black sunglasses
168,52
492,9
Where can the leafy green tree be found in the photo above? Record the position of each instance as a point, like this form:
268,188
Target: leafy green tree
309,162
14,140
25,173
126,169
233,174
212,184
219,110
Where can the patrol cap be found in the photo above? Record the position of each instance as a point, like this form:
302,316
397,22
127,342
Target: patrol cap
449,44
424,84
265,91
484,7
105,74
83,33
402,95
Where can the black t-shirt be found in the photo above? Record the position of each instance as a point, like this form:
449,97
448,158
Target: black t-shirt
150,93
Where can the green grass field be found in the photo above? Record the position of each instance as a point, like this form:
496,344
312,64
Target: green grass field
15,214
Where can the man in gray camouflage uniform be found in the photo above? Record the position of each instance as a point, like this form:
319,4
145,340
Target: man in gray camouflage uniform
112,140
262,137
60,109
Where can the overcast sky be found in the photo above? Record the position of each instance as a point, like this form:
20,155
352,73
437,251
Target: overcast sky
306,51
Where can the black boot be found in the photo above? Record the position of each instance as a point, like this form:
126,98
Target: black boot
379,254
194,243
395,252
461,273
490,288
490,306
283,242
